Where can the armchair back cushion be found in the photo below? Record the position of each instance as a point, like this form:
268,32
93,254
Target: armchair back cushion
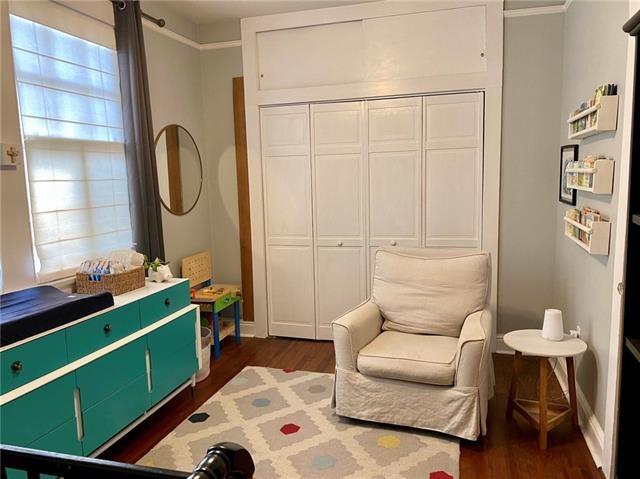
429,291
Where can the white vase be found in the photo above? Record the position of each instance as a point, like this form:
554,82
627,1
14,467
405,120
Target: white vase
552,327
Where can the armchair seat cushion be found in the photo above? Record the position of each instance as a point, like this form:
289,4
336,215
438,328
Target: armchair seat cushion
417,358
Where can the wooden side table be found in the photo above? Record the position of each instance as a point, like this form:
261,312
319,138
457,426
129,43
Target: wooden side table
542,414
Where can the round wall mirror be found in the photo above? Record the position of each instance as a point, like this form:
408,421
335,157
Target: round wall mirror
179,169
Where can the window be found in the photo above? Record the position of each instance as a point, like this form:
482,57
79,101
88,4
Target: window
71,116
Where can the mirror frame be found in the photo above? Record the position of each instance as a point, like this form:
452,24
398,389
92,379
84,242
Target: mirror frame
155,145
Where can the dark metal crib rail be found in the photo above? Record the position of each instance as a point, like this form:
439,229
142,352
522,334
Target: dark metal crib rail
222,461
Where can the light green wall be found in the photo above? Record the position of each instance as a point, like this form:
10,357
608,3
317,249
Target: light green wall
529,168
176,97
595,51
218,69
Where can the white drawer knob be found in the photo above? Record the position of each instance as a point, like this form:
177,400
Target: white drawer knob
394,242
340,243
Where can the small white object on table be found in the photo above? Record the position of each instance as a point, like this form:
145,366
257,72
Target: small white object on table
543,415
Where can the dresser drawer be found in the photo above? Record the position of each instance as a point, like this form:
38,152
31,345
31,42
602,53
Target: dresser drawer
104,420
30,417
63,439
102,330
171,369
164,303
175,334
103,377
31,360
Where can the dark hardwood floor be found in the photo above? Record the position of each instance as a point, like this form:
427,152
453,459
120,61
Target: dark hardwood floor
510,450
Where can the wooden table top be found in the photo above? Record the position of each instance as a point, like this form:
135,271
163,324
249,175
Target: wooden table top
210,294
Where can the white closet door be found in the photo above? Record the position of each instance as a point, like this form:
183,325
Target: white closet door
286,166
453,138
395,171
338,141
290,291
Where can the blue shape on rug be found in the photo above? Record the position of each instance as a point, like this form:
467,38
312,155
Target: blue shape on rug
261,402
324,462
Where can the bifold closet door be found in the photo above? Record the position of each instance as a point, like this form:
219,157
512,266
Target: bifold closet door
395,173
453,142
338,139
286,167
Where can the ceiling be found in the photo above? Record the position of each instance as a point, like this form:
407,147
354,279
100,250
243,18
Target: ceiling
210,11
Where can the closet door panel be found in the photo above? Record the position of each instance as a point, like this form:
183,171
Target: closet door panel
285,130
453,140
340,283
394,125
453,198
453,121
290,291
288,199
394,198
337,128
339,199
338,132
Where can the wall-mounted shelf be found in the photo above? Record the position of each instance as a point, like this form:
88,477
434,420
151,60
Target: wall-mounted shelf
601,117
595,238
598,180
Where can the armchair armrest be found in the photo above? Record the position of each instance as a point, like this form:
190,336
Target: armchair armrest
353,331
474,348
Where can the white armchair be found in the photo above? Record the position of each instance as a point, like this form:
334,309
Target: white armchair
417,353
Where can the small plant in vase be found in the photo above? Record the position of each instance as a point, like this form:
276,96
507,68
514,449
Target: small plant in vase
157,270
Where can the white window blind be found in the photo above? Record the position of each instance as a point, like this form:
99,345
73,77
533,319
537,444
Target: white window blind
71,115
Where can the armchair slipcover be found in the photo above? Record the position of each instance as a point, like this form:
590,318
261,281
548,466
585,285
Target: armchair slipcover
417,353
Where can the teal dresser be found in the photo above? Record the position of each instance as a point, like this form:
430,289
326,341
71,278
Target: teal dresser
78,388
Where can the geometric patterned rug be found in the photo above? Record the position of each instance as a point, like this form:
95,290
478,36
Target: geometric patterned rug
284,418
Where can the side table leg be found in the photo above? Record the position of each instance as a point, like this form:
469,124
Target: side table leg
573,400
513,390
236,319
216,336
544,365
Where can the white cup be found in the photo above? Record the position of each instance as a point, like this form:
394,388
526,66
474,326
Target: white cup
552,327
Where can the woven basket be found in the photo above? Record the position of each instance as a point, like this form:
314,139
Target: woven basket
113,283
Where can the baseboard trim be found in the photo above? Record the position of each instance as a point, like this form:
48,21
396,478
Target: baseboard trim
591,428
247,329
502,348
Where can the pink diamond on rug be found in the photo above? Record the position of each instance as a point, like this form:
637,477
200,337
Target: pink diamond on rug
287,424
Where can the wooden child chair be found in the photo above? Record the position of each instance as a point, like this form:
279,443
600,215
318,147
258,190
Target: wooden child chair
212,298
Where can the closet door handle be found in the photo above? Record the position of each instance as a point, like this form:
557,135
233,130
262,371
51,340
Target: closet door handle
340,243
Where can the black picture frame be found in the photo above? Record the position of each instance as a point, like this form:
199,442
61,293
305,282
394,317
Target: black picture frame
568,153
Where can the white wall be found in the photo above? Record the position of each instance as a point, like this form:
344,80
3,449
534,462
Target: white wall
583,283
529,168
15,231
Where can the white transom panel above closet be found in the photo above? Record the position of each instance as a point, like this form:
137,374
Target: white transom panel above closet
343,179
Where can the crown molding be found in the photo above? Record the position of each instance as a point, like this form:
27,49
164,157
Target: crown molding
526,12
187,41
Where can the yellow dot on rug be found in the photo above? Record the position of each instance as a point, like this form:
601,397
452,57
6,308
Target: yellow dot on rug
390,441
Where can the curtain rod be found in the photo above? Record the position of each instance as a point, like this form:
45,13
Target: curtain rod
121,4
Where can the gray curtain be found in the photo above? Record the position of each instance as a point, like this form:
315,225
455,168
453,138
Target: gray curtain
144,198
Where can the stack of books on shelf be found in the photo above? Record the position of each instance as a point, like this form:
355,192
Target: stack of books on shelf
591,120
585,216
583,179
